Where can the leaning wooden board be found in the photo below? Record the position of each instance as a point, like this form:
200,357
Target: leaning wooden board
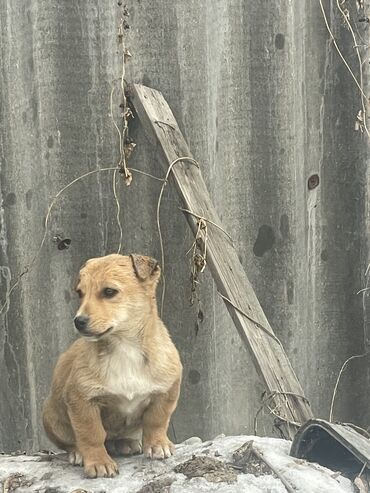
269,356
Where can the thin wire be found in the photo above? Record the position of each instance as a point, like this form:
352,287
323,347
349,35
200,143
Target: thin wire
146,174
184,158
118,211
363,99
207,220
26,270
260,326
340,53
360,66
271,396
47,218
114,120
338,380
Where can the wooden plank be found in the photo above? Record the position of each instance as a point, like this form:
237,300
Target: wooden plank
284,390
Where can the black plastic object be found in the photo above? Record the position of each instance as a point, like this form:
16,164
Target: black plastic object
339,447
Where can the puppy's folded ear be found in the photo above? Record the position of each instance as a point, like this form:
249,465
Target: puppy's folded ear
145,267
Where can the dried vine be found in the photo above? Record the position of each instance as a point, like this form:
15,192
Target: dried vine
361,124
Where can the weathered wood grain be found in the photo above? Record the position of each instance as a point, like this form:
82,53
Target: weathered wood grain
269,356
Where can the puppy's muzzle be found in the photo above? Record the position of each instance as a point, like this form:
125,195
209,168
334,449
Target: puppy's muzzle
81,323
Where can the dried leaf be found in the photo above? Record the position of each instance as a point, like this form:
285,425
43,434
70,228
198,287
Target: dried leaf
359,123
128,177
127,113
199,262
126,55
129,148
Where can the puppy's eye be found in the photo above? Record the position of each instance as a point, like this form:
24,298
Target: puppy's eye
79,292
109,292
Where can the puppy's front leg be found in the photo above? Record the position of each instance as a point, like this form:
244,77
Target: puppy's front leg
90,436
156,418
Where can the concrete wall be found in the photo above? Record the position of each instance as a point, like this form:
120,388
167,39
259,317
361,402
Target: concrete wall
265,103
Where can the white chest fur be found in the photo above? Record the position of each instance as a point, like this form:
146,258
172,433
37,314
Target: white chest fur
127,375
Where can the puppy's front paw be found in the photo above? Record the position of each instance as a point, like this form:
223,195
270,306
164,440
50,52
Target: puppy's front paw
128,446
75,458
160,448
105,468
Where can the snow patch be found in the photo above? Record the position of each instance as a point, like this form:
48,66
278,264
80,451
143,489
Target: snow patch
138,474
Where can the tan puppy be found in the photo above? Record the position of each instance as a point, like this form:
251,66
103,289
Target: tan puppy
120,382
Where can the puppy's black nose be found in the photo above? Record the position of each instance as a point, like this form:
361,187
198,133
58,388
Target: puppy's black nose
81,323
